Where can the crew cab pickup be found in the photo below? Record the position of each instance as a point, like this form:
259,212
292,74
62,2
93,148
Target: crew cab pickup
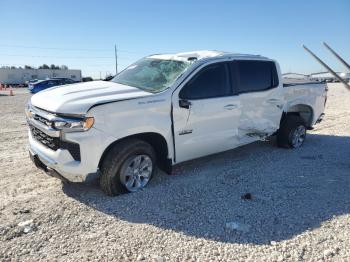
164,110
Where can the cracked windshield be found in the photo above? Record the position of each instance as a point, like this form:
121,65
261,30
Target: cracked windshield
152,75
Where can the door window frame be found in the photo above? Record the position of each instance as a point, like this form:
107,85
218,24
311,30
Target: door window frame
236,76
199,70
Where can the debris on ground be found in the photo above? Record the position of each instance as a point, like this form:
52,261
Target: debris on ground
27,226
236,226
247,196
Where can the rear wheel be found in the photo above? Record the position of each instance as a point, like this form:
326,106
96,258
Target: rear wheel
292,132
127,167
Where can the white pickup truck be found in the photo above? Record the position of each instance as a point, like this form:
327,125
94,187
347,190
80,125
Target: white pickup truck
164,110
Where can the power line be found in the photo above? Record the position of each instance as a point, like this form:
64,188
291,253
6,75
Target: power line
71,49
131,52
54,48
108,65
101,65
66,57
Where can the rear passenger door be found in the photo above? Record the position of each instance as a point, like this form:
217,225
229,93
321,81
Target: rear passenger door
260,97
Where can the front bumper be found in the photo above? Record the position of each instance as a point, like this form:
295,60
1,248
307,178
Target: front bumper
70,156
319,120
39,164
60,163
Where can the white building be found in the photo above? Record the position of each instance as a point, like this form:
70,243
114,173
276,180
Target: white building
295,76
20,76
326,76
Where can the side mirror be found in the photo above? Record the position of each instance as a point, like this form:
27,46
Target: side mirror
184,103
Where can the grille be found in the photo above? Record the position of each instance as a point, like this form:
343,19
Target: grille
42,120
55,143
51,142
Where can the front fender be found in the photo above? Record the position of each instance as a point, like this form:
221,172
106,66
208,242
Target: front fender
132,117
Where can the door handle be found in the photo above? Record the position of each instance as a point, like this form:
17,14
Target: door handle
184,103
230,107
273,101
276,102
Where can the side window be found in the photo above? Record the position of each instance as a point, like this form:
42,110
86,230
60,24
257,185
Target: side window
55,83
211,81
256,76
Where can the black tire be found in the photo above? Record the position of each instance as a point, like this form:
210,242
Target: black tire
288,127
110,179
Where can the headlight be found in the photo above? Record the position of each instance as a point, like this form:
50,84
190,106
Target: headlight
72,125
28,112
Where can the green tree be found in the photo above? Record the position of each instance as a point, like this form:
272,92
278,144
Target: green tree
44,66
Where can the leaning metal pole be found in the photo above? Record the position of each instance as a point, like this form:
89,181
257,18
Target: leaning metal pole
327,67
337,56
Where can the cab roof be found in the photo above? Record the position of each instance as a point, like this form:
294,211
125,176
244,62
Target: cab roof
201,54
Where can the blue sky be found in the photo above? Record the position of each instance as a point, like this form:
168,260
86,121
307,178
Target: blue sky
82,34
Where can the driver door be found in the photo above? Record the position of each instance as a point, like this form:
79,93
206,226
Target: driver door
205,113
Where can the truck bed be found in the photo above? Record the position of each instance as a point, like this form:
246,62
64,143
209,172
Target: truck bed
311,93
294,82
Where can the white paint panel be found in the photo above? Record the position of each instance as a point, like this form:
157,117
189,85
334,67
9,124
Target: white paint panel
208,127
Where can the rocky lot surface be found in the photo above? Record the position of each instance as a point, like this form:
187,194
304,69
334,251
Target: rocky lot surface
299,208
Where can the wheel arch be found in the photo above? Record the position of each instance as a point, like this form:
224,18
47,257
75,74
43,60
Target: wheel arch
305,111
156,140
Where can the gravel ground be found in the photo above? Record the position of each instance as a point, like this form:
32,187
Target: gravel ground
300,206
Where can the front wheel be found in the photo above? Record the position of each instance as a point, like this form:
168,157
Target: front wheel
127,167
292,132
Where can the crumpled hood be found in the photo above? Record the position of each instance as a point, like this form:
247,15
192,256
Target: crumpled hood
78,98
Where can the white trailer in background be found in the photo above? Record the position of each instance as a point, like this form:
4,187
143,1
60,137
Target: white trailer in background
17,76
326,76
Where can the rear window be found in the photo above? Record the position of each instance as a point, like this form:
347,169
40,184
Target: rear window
52,82
254,76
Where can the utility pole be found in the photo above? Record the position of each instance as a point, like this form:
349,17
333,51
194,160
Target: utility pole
116,59
337,56
327,67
